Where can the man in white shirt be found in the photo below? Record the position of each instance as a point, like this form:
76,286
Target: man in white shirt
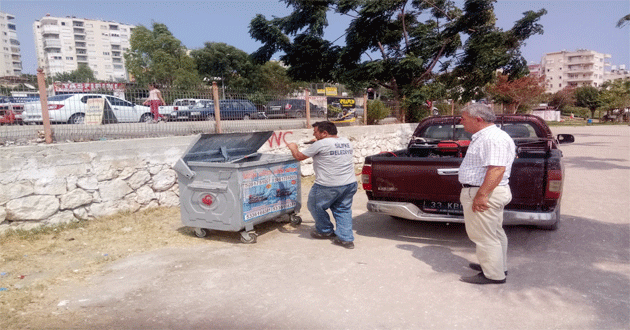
484,175
335,183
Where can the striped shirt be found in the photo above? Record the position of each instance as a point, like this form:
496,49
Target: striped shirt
490,146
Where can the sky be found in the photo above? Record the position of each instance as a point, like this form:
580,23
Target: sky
569,24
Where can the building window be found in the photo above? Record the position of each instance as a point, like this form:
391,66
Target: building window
106,53
63,23
560,77
69,58
560,85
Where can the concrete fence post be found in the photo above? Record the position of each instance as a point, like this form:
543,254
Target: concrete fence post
43,99
217,109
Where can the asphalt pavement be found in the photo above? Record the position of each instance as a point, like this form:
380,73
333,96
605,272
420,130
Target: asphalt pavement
401,275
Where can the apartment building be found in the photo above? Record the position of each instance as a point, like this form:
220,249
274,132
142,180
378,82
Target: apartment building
620,73
62,44
578,68
10,58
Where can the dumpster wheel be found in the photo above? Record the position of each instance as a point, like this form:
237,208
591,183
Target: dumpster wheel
201,232
248,237
296,220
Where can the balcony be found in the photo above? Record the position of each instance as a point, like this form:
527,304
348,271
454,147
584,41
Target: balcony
77,23
52,43
80,45
580,60
53,29
82,59
15,49
14,42
79,31
79,37
588,79
580,69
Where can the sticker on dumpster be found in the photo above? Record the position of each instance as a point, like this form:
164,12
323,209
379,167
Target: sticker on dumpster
269,190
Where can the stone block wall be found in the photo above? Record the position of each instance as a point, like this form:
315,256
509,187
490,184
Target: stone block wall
60,183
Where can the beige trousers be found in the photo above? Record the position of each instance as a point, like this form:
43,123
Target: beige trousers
485,229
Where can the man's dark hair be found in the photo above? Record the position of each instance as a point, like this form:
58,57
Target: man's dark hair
326,126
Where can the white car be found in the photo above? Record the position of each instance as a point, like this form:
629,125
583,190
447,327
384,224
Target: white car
71,108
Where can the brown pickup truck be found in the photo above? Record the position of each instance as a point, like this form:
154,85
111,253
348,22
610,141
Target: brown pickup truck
420,182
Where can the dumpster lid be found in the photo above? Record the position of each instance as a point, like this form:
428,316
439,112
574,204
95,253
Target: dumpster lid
226,147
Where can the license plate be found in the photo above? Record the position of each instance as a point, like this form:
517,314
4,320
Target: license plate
195,113
443,207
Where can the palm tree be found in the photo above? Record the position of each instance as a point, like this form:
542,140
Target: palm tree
623,21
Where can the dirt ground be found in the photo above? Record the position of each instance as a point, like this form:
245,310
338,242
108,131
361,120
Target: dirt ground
33,264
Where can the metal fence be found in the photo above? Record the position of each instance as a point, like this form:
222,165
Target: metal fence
99,111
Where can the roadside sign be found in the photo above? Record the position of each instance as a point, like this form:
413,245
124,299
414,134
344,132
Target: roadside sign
94,111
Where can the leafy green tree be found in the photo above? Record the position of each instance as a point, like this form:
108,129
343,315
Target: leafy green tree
158,57
82,74
222,61
588,97
408,43
615,95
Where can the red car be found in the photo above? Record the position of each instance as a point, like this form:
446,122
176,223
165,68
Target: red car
10,112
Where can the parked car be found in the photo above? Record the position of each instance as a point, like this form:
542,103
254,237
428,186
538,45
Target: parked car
71,109
292,108
10,110
229,109
183,104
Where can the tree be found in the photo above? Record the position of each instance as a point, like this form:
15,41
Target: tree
623,21
615,95
158,57
408,43
588,97
518,92
82,74
563,98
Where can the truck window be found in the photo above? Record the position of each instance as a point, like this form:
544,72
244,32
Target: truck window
446,132
520,130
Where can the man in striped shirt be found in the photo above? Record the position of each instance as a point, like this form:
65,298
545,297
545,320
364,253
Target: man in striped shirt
484,175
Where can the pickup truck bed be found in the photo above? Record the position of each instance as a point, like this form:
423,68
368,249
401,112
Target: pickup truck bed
421,183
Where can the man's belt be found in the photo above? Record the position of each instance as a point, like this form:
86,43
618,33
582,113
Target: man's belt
465,185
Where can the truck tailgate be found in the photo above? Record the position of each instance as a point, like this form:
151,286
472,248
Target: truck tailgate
421,180
416,179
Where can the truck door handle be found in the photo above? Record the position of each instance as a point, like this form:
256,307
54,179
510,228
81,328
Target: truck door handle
448,171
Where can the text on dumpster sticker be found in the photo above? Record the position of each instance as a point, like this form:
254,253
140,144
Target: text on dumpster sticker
271,189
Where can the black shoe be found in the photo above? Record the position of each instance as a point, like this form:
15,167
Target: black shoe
346,244
480,279
477,267
318,235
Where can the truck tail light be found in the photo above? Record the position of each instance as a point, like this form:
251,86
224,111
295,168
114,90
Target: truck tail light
366,177
554,184
176,108
55,106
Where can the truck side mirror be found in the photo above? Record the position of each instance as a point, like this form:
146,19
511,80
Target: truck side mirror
565,138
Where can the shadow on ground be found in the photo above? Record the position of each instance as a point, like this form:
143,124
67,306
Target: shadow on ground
588,257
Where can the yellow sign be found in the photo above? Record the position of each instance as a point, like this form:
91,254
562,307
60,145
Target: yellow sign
331,91
94,111
321,91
